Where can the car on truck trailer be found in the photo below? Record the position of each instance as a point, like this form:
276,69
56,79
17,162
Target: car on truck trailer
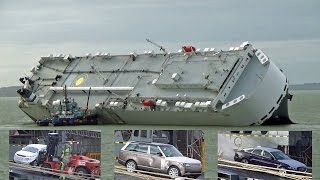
158,157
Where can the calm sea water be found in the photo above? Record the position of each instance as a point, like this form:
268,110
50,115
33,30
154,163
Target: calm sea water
304,110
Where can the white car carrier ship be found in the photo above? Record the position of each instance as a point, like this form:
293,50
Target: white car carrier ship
237,87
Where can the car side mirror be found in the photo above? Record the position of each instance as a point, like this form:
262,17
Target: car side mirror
159,154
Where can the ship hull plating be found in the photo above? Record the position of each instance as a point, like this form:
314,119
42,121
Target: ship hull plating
260,107
35,112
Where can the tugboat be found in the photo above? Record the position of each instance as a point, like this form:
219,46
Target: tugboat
68,113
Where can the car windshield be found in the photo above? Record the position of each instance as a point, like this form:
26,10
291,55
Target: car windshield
170,151
279,155
30,149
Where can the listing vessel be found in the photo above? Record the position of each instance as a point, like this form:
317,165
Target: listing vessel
236,87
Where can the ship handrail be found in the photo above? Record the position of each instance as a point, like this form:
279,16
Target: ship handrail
102,88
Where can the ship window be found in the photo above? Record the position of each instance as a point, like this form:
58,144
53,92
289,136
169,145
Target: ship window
258,54
263,117
234,101
279,99
144,133
136,133
271,110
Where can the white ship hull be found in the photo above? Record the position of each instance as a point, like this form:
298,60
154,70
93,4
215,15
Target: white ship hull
256,109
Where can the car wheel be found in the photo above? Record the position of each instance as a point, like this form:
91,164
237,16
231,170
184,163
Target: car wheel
82,172
244,161
302,169
34,163
131,166
46,168
174,172
282,170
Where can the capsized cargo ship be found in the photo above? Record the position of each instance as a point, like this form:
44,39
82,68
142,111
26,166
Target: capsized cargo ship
236,87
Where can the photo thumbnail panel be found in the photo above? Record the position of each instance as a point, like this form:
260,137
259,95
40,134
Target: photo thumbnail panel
265,155
159,154
54,154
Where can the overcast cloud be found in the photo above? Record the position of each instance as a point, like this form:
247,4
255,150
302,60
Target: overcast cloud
288,30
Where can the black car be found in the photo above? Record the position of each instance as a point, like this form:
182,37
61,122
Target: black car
270,157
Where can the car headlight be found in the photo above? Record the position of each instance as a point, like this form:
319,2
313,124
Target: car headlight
303,169
185,164
291,168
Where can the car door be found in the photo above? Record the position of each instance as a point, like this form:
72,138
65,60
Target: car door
268,160
256,157
143,157
157,159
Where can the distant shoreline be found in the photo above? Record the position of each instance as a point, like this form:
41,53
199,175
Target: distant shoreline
305,86
11,91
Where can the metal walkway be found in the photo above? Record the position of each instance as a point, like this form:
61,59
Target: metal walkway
85,133
245,171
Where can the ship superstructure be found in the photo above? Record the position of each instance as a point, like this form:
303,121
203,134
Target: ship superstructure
237,87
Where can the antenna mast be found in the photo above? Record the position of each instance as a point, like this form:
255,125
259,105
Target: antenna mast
159,46
85,112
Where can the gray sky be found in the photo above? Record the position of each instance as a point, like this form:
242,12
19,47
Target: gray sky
288,30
